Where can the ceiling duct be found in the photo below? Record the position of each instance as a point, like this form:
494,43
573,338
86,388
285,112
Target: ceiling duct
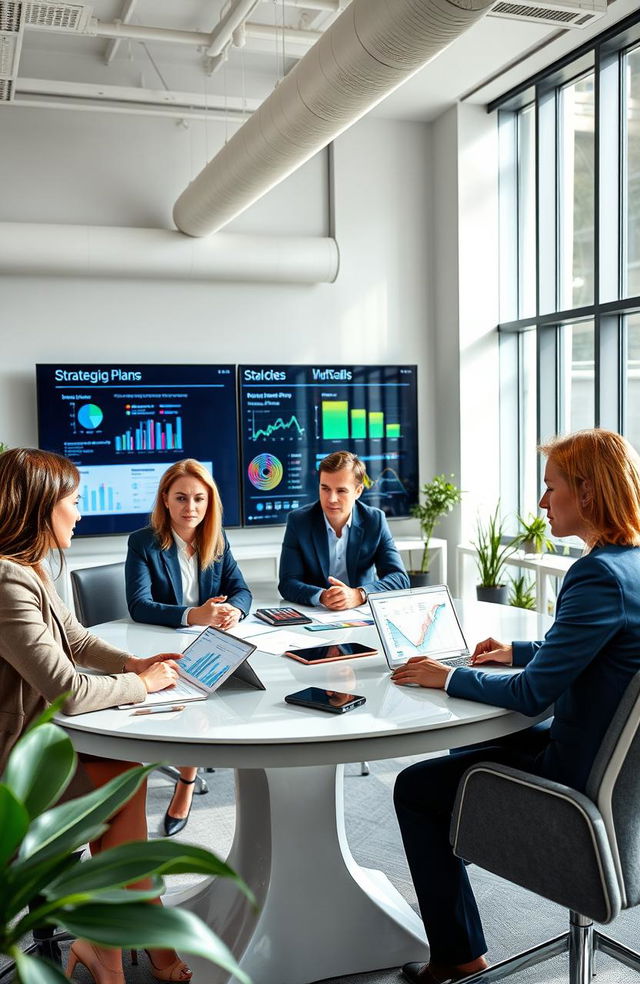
559,13
11,31
371,49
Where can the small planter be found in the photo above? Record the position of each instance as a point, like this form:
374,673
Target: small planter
420,579
531,546
497,594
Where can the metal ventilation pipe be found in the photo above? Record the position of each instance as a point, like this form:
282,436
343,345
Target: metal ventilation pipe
371,49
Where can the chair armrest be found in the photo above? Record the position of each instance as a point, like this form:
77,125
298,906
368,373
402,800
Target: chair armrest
539,834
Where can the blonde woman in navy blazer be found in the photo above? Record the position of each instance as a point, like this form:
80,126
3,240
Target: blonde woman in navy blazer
180,571
582,667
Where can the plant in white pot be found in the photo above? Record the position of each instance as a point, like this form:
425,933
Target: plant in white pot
491,557
532,536
439,496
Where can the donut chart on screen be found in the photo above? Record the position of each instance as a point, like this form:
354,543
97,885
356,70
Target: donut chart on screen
265,472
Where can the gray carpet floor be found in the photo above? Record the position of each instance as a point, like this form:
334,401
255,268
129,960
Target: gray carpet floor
513,919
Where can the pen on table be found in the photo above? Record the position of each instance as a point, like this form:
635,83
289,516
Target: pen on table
160,710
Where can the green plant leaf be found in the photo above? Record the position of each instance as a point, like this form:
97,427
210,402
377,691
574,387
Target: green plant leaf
35,970
40,767
14,821
22,880
139,925
49,712
69,825
132,862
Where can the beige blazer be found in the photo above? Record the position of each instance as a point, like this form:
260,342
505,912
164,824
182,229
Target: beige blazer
41,645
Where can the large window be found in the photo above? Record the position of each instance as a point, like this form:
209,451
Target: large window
570,253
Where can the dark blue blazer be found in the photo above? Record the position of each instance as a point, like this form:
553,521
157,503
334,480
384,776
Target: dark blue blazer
582,667
304,561
154,584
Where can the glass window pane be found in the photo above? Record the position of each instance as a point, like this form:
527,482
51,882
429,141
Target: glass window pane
577,168
631,190
578,376
632,369
526,213
529,495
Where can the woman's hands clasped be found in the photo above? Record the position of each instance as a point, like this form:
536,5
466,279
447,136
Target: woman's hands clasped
215,612
156,672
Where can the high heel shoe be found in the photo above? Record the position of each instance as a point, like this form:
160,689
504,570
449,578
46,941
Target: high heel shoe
173,825
87,955
177,970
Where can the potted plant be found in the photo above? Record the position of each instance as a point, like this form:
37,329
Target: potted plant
439,497
39,869
533,535
523,593
491,557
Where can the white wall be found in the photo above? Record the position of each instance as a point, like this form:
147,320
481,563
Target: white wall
466,313
77,168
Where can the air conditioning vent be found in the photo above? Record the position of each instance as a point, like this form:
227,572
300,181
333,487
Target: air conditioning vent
11,29
10,11
564,13
57,16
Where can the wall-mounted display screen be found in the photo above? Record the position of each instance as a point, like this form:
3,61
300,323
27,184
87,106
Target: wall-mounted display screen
293,416
123,425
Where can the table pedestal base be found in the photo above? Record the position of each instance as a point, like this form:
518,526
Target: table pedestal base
320,914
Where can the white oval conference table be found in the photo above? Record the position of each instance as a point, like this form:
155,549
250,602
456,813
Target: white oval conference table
320,913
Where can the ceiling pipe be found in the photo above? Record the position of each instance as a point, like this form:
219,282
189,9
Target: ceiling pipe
230,107
335,6
222,34
113,44
33,249
371,49
267,32
135,32
198,39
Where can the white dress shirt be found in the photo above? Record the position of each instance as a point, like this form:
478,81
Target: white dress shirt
337,554
189,575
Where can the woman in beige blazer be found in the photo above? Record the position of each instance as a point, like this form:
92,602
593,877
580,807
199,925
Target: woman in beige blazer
42,645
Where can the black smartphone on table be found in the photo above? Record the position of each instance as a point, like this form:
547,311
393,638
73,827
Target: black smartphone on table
325,700
328,654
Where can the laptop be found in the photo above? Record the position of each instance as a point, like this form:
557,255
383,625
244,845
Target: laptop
419,622
213,659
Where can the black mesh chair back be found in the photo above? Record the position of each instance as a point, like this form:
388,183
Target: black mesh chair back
99,594
614,786
581,850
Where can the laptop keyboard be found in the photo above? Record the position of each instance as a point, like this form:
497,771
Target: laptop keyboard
457,661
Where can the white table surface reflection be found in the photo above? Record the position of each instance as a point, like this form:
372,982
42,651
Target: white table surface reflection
321,914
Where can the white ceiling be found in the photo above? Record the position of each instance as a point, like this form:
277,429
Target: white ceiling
490,58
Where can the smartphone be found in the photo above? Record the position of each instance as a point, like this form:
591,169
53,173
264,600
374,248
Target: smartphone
327,654
325,700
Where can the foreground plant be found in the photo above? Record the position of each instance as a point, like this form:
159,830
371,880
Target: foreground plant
88,899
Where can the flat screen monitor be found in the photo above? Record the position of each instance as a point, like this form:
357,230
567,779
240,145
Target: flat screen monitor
293,416
123,425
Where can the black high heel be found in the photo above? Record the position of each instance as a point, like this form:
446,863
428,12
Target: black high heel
173,825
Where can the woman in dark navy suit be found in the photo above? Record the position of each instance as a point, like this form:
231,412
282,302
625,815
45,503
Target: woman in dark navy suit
582,667
180,571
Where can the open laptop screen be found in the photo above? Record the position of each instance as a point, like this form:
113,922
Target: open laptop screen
418,622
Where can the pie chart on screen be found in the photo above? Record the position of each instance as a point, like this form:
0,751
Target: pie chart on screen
90,416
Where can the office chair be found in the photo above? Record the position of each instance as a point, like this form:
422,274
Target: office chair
99,596
579,850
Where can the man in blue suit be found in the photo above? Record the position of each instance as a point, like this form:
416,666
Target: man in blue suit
337,550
